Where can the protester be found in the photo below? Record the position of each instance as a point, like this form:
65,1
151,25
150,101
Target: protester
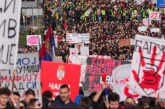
22,23
27,97
64,101
4,99
34,104
46,99
16,97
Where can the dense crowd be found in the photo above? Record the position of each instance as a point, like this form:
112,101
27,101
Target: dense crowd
107,22
97,100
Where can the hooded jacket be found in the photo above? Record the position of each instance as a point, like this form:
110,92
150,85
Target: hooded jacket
59,105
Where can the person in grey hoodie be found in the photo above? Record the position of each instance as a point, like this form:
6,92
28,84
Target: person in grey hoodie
60,12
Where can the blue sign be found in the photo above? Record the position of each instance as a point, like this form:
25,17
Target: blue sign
160,3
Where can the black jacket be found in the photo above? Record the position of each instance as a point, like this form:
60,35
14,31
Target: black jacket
8,106
59,105
21,20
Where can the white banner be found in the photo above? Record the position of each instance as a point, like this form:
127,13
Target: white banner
33,39
9,32
155,30
77,38
56,40
27,75
142,28
121,77
147,76
84,51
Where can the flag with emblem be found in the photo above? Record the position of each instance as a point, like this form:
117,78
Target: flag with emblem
47,51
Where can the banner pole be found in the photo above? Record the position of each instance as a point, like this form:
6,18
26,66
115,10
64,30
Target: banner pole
13,81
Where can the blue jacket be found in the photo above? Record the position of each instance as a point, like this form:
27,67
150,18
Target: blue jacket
59,104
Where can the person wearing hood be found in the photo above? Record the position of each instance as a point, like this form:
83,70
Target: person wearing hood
64,101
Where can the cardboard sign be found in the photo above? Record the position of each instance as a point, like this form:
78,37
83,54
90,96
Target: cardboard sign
121,77
9,32
32,39
58,74
132,41
73,51
27,75
142,28
84,51
97,66
58,59
147,76
77,38
155,30
154,15
124,42
78,46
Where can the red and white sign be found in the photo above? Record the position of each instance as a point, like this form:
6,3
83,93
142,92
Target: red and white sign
154,15
73,52
58,74
147,76
32,39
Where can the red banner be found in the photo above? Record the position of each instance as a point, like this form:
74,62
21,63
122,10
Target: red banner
54,74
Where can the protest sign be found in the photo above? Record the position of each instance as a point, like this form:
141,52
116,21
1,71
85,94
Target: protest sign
73,51
81,60
147,76
78,46
121,77
142,28
78,38
97,66
9,32
59,74
58,59
146,22
154,15
155,30
84,51
27,75
124,42
32,39
132,41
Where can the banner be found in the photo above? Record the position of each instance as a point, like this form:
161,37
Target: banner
97,66
77,38
32,39
132,41
73,51
147,76
160,3
146,22
154,16
84,51
58,59
27,75
142,28
121,77
124,42
58,74
56,40
155,30
9,32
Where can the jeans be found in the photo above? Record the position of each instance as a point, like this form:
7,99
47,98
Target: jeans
22,28
99,18
59,16
31,19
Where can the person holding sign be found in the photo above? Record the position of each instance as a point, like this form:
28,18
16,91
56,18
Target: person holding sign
64,101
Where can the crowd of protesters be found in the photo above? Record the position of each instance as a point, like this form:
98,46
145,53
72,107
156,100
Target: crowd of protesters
107,22
97,100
